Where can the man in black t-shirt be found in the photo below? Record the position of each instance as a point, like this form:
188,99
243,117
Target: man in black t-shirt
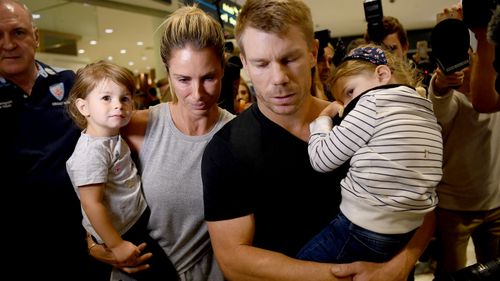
263,200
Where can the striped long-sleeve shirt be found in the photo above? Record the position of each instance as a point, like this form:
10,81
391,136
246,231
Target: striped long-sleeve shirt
395,149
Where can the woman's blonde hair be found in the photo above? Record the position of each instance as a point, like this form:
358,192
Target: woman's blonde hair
190,26
88,77
402,72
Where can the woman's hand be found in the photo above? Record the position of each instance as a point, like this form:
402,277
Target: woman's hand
104,254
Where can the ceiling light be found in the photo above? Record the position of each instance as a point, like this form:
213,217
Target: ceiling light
130,63
123,51
110,58
81,51
93,42
108,30
140,43
36,16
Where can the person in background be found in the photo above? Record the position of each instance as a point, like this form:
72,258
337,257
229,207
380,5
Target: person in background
143,100
169,140
325,62
396,40
102,171
244,98
153,98
317,88
392,140
394,37
230,83
163,86
258,223
37,139
485,64
140,99
469,193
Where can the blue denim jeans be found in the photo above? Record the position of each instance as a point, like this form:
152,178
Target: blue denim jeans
343,242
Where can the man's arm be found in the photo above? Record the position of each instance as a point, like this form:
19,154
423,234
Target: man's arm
239,260
399,267
482,83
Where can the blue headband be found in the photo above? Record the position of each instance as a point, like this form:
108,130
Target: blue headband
369,54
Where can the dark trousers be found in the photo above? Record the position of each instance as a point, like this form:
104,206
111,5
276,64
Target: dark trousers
160,266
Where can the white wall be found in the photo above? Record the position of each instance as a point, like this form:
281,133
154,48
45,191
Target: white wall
63,61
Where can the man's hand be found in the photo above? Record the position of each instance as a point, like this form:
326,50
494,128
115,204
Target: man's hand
453,12
370,271
399,267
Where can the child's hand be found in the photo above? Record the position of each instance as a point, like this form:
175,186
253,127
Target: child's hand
126,253
333,109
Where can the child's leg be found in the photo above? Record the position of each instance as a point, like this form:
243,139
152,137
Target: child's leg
366,245
326,245
160,266
344,242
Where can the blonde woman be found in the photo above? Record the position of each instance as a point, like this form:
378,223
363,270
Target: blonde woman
170,138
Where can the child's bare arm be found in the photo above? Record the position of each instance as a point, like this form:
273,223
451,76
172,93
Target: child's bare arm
91,197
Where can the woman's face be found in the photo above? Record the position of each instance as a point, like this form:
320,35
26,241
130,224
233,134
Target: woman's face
243,94
196,78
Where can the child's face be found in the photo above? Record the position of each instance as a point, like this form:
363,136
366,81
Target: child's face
108,108
349,87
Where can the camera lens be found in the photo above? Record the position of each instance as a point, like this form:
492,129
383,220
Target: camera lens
488,271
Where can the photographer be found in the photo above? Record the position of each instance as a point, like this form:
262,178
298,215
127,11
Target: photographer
393,36
469,197
477,14
389,32
324,64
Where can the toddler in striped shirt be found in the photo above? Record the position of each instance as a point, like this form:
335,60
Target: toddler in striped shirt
393,143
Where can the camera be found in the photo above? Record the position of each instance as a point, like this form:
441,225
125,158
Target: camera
450,40
374,17
488,271
477,13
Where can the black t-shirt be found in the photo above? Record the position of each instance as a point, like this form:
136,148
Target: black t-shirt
38,134
254,166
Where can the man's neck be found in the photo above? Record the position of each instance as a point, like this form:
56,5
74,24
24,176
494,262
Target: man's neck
298,123
26,80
